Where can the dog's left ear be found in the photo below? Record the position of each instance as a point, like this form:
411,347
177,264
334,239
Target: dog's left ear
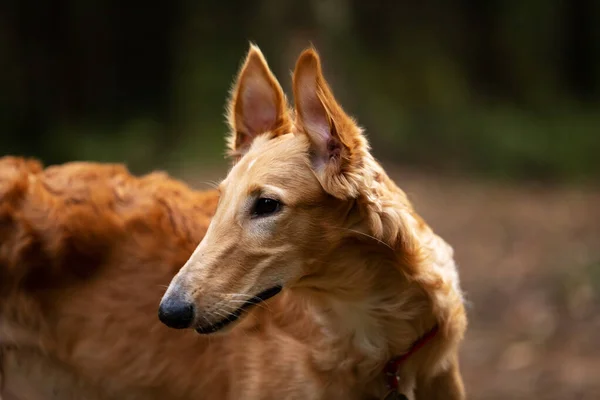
338,146
257,105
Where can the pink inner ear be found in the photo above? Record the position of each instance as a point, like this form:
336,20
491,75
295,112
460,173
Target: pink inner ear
314,117
259,107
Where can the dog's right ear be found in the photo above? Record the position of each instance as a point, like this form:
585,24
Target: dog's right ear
257,105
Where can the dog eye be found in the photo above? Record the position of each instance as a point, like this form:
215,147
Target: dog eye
265,206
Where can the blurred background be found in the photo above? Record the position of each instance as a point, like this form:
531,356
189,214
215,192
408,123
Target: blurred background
486,112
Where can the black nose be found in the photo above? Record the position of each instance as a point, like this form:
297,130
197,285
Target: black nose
176,312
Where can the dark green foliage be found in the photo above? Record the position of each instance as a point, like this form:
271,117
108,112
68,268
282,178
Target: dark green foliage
507,88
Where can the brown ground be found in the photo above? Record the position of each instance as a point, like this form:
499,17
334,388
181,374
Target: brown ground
529,259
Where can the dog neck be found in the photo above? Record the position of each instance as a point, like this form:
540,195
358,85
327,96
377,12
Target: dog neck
364,308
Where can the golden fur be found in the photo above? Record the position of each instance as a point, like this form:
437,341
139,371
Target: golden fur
85,248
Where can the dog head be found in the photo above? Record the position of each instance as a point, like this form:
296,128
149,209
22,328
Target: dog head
284,203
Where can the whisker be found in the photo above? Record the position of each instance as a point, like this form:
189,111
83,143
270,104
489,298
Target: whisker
247,297
220,314
211,183
367,235
262,305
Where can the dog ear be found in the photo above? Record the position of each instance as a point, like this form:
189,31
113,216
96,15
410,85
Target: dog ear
257,105
337,144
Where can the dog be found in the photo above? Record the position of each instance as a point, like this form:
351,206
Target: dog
310,226
313,278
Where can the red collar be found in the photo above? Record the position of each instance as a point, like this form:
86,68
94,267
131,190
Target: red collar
391,368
